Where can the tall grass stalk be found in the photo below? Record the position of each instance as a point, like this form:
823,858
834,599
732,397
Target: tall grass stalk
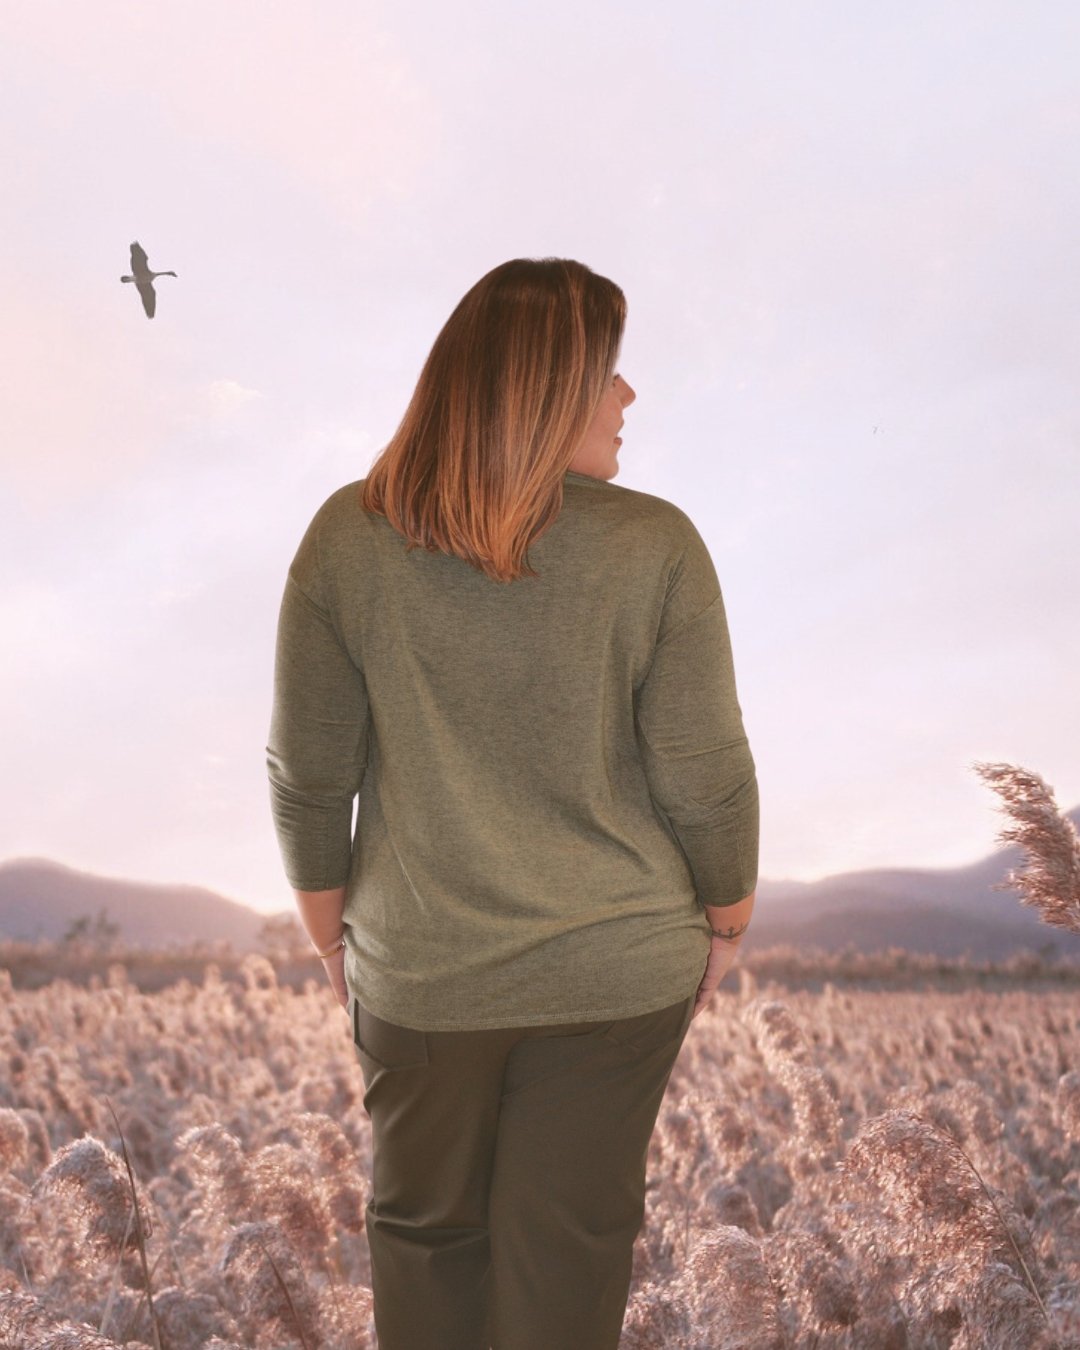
331,1264
288,1297
140,1233
1028,1277
110,1296
136,1312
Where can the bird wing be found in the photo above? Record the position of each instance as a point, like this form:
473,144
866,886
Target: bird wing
139,262
146,293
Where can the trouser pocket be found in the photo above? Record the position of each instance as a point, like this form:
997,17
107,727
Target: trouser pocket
385,1044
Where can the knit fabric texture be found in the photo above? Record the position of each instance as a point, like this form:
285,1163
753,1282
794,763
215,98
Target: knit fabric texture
551,775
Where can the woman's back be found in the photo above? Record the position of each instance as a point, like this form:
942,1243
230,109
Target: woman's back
553,776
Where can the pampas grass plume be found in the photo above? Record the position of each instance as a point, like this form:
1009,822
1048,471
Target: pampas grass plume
266,1283
25,1325
727,1287
14,1140
787,1056
922,1172
1050,880
1067,1104
95,1181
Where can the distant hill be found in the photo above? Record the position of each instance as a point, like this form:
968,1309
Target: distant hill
942,911
39,899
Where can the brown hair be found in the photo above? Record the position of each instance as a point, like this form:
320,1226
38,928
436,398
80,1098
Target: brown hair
508,390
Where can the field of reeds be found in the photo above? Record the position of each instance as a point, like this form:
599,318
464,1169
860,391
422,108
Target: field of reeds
844,1168
838,1164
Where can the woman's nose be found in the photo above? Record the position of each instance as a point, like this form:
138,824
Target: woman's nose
628,394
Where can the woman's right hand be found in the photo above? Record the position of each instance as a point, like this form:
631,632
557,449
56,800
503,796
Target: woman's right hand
721,957
733,921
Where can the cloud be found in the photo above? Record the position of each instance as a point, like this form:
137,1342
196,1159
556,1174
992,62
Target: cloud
177,595
221,397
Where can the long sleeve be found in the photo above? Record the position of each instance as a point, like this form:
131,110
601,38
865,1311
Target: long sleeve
317,748
697,758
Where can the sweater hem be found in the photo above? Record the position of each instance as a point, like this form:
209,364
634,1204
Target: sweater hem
541,1020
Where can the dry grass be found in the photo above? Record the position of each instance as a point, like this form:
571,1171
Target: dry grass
854,1169
1050,879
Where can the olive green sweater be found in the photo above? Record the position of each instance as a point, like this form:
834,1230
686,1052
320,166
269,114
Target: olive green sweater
553,774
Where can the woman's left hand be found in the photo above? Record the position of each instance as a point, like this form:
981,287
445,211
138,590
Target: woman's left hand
334,965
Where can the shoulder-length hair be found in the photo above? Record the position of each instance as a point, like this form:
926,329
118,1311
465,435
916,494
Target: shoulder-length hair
503,402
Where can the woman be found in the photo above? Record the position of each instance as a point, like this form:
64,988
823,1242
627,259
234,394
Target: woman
556,842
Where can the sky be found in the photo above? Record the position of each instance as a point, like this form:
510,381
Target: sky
847,234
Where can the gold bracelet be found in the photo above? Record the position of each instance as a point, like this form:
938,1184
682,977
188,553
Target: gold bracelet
335,947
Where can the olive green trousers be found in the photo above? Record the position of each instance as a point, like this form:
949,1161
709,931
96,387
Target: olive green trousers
509,1177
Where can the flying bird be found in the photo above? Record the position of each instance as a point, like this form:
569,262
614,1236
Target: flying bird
144,278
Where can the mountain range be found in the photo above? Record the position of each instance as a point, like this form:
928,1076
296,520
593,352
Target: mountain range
40,899
943,911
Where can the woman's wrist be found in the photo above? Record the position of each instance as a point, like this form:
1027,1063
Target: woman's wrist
321,913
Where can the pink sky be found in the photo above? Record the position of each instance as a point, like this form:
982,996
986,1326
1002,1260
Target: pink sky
849,246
